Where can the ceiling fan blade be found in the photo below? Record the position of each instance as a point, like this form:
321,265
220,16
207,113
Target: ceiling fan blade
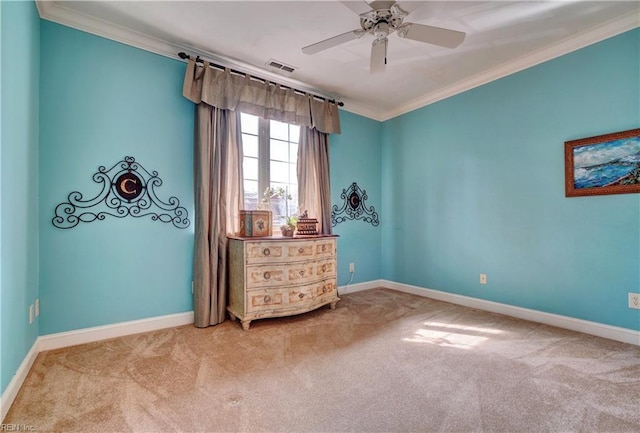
359,7
378,56
332,42
410,6
381,4
431,35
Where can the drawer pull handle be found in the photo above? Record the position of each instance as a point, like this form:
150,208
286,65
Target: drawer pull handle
300,250
266,252
301,273
267,299
267,275
324,268
301,295
324,248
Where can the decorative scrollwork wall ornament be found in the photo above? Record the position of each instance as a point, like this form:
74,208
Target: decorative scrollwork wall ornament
354,207
128,189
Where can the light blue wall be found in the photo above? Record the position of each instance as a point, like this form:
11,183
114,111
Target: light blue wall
102,101
355,157
476,185
471,184
20,59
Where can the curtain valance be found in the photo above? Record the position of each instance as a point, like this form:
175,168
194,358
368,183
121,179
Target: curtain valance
224,90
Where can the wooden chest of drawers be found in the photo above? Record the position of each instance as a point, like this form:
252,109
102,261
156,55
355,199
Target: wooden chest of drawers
277,276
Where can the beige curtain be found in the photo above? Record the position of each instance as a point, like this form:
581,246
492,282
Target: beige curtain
226,90
218,199
314,193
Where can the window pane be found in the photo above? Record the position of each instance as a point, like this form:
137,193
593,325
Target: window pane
250,168
250,145
279,150
249,123
279,130
284,206
279,172
251,196
270,159
279,204
294,133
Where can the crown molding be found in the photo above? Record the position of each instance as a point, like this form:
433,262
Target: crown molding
362,110
53,11
581,40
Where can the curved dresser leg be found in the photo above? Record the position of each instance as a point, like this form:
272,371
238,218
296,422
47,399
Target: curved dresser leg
232,316
246,324
333,305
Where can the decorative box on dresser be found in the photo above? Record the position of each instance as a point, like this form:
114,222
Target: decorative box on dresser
280,276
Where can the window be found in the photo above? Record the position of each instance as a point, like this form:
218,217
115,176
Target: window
270,155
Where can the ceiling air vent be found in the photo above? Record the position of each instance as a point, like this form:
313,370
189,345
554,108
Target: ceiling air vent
280,66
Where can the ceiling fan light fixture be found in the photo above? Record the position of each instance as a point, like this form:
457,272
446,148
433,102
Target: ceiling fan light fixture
381,31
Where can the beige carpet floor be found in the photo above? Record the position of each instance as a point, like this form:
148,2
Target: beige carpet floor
383,361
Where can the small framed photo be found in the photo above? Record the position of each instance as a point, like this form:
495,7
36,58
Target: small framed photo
605,164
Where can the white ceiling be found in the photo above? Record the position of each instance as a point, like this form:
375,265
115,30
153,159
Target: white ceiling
502,37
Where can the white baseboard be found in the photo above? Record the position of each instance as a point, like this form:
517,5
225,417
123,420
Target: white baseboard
10,393
593,328
358,287
97,333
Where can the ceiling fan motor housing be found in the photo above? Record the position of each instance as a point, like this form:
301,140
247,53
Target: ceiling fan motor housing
382,20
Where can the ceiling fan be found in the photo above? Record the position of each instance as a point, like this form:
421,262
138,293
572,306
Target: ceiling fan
382,18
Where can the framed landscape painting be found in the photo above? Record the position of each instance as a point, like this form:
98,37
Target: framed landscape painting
606,164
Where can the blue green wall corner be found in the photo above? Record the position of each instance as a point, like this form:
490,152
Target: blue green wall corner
355,157
102,101
483,173
20,65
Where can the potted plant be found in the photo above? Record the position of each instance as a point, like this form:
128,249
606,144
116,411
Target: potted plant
289,226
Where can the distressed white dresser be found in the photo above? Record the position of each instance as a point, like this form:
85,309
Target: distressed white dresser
279,276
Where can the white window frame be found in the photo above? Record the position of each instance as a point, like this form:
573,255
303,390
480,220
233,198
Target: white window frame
264,159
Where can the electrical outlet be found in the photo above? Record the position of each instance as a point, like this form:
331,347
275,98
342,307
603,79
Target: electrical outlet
37,307
352,268
634,300
30,314
483,278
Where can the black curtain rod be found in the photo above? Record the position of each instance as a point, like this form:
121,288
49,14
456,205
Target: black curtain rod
186,56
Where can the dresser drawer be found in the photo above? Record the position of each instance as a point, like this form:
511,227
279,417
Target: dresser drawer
294,298
326,289
325,248
325,268
289,251
265,299
265,252
280,275
326,292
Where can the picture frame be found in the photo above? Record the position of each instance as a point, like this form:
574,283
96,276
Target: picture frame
604,164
